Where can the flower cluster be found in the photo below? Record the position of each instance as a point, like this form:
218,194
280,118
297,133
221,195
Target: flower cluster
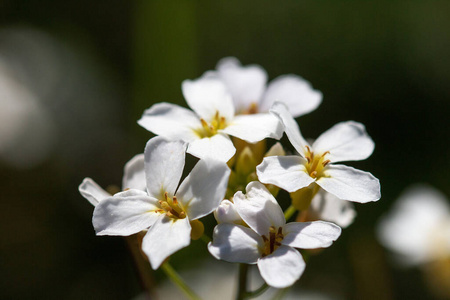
234,111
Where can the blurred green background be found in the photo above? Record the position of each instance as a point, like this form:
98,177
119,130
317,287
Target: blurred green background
94,66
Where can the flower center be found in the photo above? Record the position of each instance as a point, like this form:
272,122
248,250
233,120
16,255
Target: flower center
316,163
273,241
171,207
211,128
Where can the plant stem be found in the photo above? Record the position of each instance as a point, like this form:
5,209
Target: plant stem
256,292
242,284
178,281
289,212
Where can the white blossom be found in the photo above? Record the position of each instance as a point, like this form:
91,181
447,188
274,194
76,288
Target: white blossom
417,229
133,178
251,94
207,128
268,241
343,142
168,207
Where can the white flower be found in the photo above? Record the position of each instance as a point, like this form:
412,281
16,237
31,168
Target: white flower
343,142
166,209
328,207
133,178
251,95
213,118
269,241
417,228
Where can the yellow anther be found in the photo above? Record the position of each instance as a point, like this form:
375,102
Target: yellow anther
210,128
315,163
307,148
171,207
326,162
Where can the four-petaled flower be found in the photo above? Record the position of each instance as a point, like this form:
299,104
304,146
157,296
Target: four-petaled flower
269,241
343,142
251,94
213,118
166,210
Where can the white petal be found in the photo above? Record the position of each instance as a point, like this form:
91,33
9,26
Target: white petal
235,243
282,268
413,222
92,191
310,235
164,238
171,121
204,188
218,147
254,128
246,84
350,184
295,92
258,208
164,163
134,174
346,141
286,172
208,95
326,206
227,213
125,214
292,130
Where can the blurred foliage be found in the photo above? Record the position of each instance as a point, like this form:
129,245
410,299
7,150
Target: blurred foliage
383,63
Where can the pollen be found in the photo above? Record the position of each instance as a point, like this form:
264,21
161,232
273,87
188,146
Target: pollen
171,207
315,163
273,241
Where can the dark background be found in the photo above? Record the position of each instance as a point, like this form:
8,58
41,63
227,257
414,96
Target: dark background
385,64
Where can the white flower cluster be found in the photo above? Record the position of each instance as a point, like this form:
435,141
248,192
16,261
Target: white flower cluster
233,111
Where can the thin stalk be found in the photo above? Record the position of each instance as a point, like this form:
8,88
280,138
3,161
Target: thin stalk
280,294
242,283
289,212
178,281
256,292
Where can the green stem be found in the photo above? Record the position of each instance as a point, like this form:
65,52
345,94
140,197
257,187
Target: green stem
256,292
178,281
280,294
242,287
289,212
